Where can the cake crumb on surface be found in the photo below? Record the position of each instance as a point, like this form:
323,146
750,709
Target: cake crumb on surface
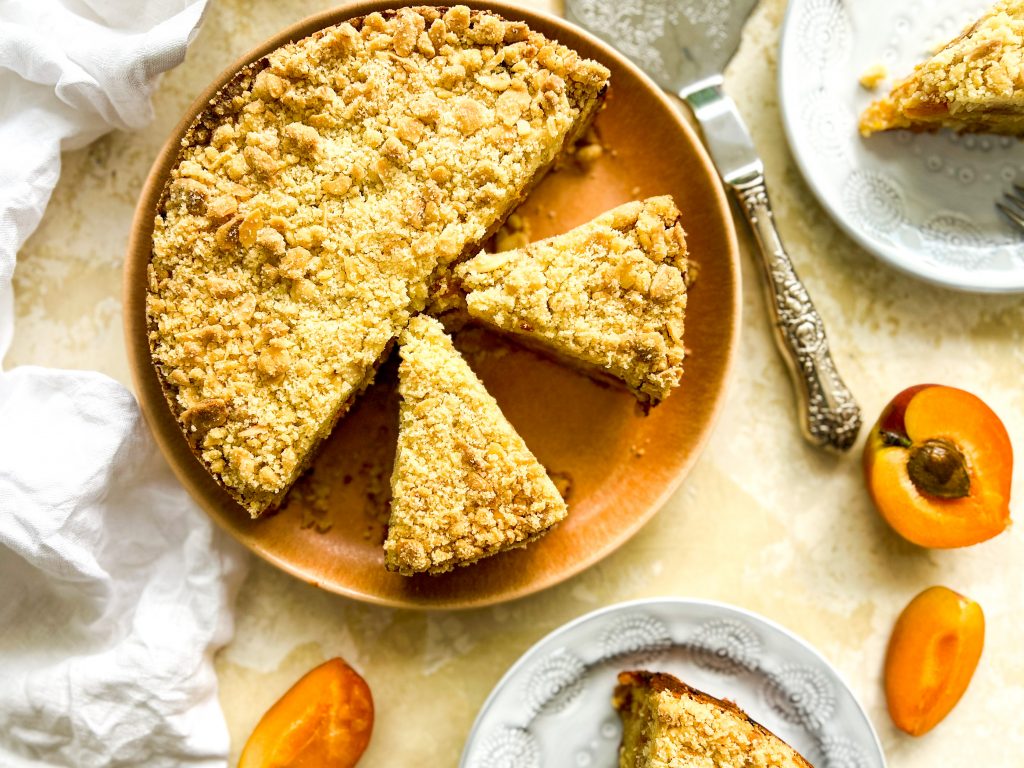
872,76
563,482
514,233
589,149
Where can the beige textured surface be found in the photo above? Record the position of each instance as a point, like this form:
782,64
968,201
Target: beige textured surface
763,521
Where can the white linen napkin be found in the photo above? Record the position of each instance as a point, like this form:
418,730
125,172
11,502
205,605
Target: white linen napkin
115,589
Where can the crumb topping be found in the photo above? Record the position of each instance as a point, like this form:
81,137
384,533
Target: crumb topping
975,83
610,293
313,201
667,723
464,486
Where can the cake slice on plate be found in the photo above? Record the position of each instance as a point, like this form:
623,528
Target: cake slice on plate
974,84
667,724
608,296
464,486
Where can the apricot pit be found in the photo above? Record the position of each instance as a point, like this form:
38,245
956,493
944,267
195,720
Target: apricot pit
938,465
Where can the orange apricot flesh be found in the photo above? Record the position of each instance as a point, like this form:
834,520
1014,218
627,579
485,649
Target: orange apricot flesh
933,652
928,423
323,721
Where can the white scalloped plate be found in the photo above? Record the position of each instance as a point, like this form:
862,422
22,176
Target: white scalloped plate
553,707
922,202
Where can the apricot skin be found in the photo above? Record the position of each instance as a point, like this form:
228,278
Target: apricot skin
934,413
933,652
323,721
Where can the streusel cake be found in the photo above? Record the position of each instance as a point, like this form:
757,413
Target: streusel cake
464,485
608,296
313,201
667,724
974,84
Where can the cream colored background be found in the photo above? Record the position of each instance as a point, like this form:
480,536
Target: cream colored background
763,521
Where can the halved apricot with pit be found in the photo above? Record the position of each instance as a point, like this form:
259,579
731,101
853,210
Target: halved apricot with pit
322,721
938,465
933,652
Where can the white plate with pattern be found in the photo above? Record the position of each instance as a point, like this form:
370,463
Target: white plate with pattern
553,708
925,203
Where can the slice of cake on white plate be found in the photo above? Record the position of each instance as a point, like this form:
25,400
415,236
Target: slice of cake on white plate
608,297
464,485
668,724
973,84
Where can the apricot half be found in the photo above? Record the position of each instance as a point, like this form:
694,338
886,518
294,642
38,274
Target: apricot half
323,721
933,652
938,465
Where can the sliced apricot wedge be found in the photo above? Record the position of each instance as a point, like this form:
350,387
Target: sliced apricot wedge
938,465
323,721
933,652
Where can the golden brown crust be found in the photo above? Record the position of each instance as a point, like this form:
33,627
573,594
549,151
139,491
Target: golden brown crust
638,683
656,682
973,84
609,295
314,200
464,485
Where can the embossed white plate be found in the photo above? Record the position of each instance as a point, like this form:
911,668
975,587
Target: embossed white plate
553,708
922,202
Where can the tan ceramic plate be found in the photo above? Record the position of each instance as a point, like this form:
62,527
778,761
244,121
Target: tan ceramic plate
620,464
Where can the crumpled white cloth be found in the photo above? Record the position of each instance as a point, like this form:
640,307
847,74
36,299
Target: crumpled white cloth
115,588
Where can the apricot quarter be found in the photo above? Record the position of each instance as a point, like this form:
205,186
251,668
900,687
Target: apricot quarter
323,721
933,652
938,465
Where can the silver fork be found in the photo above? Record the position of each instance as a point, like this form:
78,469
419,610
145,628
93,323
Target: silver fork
1013,207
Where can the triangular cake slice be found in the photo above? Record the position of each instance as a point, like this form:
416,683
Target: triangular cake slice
313,202
608,296
974,84
667,724
464,486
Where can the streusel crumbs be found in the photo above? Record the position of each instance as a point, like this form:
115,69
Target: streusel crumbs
975,83
610,294
464,486
313,202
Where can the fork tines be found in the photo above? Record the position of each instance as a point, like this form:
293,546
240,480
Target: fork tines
1013,208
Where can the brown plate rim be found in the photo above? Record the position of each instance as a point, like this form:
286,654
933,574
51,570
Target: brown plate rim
158,415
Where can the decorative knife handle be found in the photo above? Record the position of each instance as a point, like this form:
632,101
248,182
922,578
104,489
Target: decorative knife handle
831,417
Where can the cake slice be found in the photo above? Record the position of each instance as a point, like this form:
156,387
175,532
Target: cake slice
314,200
667,724
974,84
464,486
608,297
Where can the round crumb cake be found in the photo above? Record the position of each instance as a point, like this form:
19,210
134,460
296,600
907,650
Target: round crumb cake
314,202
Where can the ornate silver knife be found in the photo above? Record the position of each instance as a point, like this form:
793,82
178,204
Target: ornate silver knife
685,45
